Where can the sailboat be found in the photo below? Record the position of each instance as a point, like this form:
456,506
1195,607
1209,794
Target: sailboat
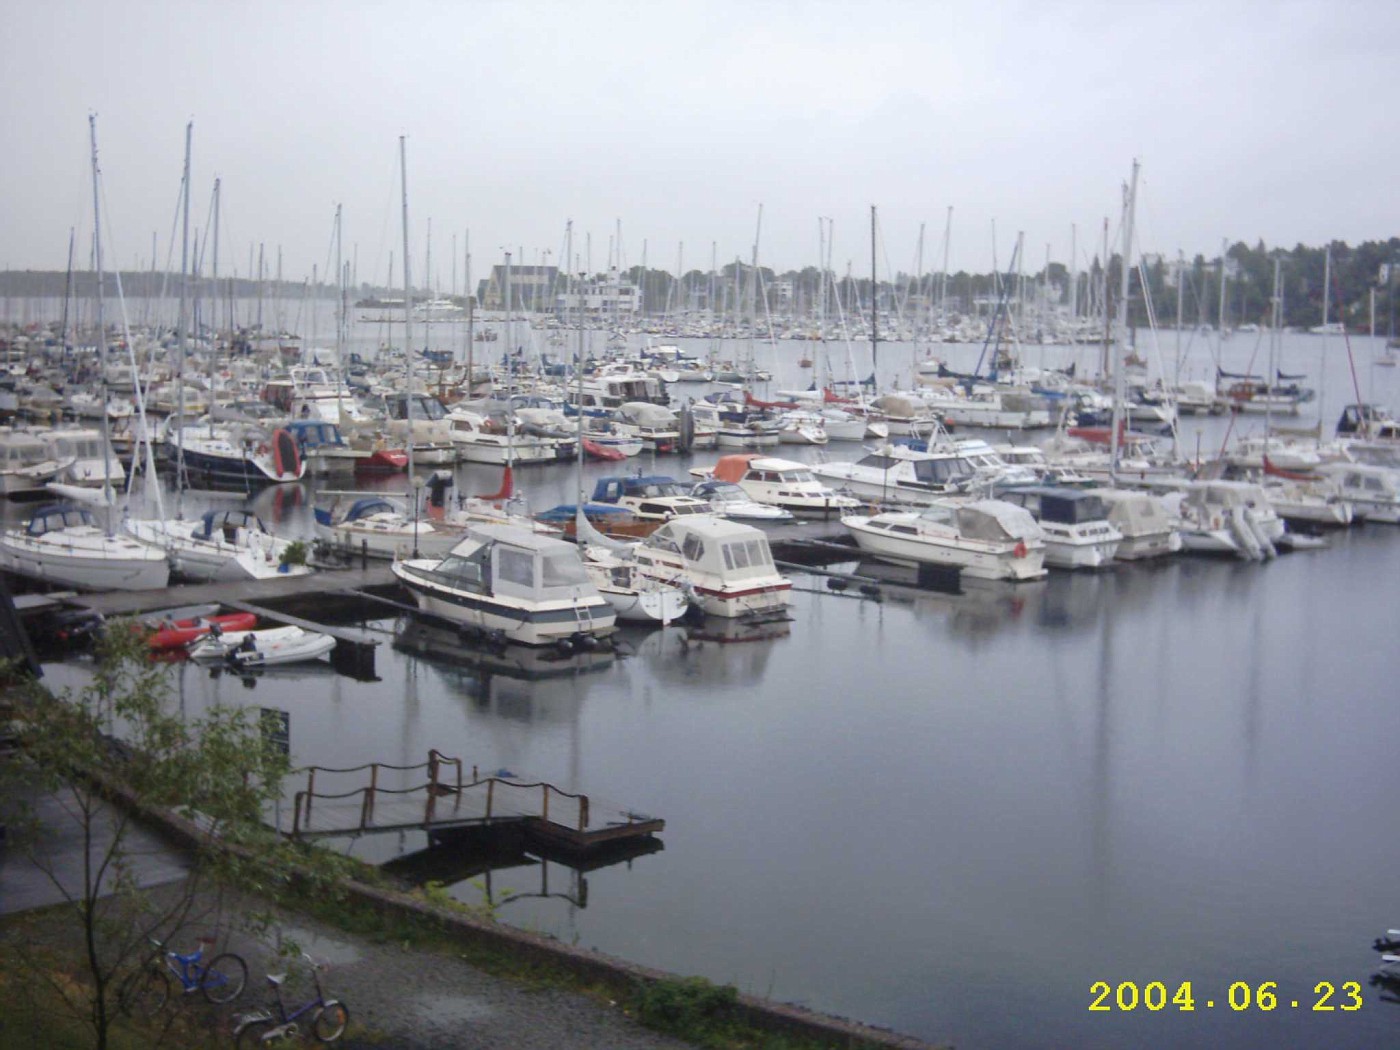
63,544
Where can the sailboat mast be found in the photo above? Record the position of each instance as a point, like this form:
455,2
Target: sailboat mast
408,332
107,497
1125,274
183,337
874,302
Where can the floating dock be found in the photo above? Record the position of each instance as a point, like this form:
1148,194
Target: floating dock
450,799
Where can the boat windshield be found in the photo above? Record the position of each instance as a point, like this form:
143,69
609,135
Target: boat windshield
1071,511
942,470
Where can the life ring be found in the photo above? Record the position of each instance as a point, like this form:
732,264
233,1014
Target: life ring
262,449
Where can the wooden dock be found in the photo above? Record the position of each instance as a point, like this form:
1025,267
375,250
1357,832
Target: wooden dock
279,592
450,799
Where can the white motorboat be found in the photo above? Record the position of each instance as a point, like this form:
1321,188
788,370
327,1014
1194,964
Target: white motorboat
25,462
480,439
985,539
1373,492
656,426
269,647
1143,519
779,482
511,584
899,474
63,544
726,565
221,545
731,501
85,457
1078,534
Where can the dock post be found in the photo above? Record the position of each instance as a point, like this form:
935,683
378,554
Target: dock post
583,813
366,808
296,816
490,794
364,554
432,770
310,789
544,815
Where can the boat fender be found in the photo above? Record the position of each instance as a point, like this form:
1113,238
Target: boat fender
1020,549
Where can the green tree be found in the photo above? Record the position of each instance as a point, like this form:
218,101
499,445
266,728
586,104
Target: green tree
108,752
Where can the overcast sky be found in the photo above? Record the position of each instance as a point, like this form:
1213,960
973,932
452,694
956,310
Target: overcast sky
1268,120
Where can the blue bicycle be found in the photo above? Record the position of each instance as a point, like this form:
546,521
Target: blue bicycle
221,981
327,1018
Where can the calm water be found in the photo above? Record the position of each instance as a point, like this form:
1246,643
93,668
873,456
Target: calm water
953,814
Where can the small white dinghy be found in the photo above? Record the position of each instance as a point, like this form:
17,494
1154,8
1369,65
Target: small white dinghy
263,648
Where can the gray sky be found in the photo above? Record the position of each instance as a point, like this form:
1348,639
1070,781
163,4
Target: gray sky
1252,120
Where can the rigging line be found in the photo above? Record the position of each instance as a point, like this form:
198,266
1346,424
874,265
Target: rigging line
1346,337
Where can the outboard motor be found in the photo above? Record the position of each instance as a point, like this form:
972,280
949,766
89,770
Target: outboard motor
439,481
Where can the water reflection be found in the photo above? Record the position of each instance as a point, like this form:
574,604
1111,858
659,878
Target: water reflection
970,607
518,683
717,652
455,861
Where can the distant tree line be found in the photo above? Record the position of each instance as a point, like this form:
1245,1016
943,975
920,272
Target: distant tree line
1357,272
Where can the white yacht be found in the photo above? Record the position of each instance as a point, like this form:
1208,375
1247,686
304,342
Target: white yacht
64,545
1228,517
731,501
1373,492
726,565
985,539
899,474
380,527
779,482
511,584
220,546
1078,534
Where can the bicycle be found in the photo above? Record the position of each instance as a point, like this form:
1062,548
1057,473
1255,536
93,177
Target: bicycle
329,1017
221,981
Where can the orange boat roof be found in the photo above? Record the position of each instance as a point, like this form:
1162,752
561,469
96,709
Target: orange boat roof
732,468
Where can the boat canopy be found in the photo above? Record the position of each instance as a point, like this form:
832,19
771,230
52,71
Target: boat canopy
645,414
516,563
224,522
1060,505
59,516
714,545
994,520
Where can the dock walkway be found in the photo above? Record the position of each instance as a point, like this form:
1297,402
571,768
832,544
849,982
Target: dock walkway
450,800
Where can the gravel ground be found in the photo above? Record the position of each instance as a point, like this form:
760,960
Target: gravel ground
399,999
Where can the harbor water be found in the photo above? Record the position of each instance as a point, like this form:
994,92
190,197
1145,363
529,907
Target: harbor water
952,814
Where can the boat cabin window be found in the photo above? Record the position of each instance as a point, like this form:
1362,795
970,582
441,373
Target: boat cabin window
657,509
745,554
664,539
515,567
878,461
562,568
1373,484
693,548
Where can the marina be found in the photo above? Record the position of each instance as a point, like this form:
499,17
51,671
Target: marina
1092,760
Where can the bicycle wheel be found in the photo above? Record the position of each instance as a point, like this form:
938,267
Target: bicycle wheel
330,1021
224,979
146,992
251,1035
